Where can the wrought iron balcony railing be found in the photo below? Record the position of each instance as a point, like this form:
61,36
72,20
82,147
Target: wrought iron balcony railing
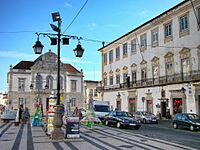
192,76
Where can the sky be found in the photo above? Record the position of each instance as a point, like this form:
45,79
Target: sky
99,20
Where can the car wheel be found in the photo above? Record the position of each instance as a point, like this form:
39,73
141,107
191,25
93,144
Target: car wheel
118,125
107,124
144,121
175,126
191,128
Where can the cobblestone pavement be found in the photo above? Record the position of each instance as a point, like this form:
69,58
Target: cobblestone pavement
25,137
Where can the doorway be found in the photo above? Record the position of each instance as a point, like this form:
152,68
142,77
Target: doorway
131,105
163,109
149,106
118,103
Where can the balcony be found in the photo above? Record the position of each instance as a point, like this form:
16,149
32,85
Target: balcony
192,76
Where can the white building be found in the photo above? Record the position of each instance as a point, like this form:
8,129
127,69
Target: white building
29,81
4,99
92,89
156,66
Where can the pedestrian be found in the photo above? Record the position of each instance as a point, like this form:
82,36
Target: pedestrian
20,113
76,111
80,114
26,115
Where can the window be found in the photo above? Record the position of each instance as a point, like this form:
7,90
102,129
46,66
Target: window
143,74
118,53
144,41
134,77
183,23
91,92
21,83
125,50
38,82
21,101
95,92
199,60
73,102
111,56
118,79
111,80
61,82
154,37
198,15
133,46
155,72
168,30
125,75
169,68
105,81
73,85
185,66
49,82
105,59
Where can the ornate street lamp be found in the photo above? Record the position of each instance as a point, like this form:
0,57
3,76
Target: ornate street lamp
78,51
38,47
57,133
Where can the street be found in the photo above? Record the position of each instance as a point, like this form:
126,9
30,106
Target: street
150,136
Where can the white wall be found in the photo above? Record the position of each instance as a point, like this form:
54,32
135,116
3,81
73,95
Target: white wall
78,83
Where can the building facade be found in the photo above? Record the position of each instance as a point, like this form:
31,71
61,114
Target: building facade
156,66
30,81
4,99
92,89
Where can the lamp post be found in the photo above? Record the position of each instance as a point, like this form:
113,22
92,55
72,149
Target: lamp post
57,122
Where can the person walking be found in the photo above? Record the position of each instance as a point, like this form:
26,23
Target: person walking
76,113
26,115
20,113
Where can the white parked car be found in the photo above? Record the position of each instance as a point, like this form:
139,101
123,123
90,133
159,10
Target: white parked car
145,117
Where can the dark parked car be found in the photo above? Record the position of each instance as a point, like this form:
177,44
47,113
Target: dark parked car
187,120
145,117
121,119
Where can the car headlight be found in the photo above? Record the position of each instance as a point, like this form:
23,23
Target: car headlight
121,120
138,121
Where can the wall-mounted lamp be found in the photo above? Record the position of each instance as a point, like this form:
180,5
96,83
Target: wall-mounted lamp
183,90
118,95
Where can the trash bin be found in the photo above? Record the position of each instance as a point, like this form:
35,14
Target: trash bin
72,127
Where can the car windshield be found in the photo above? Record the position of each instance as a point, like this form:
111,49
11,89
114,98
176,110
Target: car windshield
101,108
146,113
122,114
193,116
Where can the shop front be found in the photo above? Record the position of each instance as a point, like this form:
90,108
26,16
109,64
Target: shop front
177,105
149,101
177,102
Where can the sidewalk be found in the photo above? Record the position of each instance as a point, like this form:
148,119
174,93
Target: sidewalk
25,137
